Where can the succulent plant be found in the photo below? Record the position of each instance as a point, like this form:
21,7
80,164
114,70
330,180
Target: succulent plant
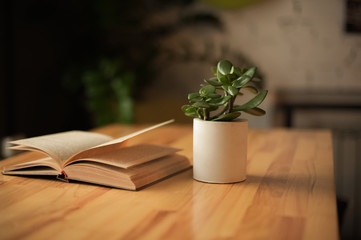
215,100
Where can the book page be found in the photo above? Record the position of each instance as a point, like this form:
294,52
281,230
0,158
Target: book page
43,166
112,145
129,136
128,156
61,146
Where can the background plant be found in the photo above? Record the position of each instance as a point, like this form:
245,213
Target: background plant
108,90
215,101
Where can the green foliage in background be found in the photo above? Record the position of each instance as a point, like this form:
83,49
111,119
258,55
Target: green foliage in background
219,93
108,90
230,4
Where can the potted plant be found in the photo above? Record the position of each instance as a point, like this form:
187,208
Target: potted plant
219,135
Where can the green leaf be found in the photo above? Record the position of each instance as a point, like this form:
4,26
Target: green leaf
225,80
224,67
213,108
225,99
241,81
255,111
245,78
219,75
194,100
214,95
193,95
237,71
254,102
219,101
187,108
251,89
228,117
231,77
250,72
214,71
232,91
214,81
201,104
190,111
200,113
206,90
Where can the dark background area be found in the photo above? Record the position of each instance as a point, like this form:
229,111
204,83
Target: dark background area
45,45
39,41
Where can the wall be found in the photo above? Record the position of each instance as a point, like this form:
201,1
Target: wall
299,43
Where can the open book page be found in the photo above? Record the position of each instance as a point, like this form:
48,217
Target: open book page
61,146
128,156
124,138
43,166
112,145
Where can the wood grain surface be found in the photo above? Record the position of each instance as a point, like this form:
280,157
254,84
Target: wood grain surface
289,194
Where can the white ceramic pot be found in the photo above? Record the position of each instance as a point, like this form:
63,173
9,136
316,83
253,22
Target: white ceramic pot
220,151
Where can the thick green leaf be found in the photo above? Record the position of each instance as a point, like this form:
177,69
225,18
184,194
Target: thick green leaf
214,81
186,108
254,102
245,78
224,67
214,71
225,81
213,108
241,81
219,101
228,117
232,77
194,100
201,104
232,91
214,95
206,90
225,99
193,95
219,75
250,72
190,111
215,101
200,112
255,111
237,71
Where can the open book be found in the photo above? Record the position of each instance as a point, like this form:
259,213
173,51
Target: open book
99,159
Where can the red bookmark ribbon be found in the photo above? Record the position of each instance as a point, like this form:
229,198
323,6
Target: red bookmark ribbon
63,176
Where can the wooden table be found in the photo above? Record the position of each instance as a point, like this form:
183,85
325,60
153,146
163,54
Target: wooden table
289,194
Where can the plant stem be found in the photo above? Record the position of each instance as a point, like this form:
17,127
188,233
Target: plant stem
205,114
223,111
231,102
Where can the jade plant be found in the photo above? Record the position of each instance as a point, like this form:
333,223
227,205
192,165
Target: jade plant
215,100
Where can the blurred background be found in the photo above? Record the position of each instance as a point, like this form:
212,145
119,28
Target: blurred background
82,64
